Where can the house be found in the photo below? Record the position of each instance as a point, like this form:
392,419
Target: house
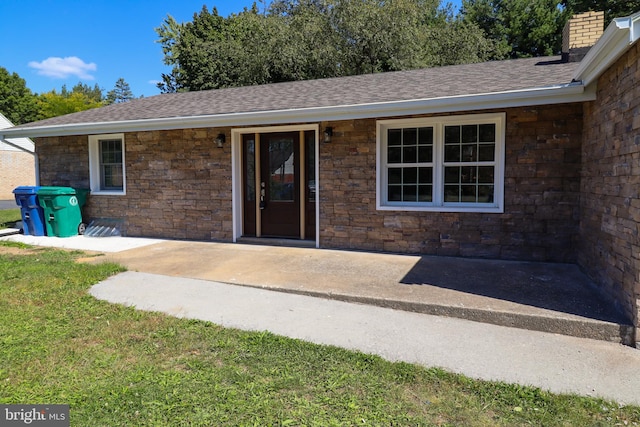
528,159
17,164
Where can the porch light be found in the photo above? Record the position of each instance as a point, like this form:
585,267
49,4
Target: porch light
220,140
328,133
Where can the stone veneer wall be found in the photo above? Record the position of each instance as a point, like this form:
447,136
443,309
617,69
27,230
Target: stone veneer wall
179,186
178,182
541,195
610,202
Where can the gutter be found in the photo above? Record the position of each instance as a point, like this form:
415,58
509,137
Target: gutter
619,35
565,93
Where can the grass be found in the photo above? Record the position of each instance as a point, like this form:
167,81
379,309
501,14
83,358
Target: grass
116,366
9,217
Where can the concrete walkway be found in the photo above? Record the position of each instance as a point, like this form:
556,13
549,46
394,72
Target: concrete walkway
553,362
388,306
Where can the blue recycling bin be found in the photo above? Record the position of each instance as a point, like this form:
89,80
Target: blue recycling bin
32,213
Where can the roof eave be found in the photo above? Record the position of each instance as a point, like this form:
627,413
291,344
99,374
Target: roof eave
619,35
573,92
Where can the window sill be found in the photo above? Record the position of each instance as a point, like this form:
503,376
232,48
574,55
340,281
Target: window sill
108,193
459,209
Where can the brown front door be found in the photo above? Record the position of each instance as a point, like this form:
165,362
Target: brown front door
277,199
280,180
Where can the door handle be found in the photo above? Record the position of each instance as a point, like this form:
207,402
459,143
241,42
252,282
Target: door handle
263,204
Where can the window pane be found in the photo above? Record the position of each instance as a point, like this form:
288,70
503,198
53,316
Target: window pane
485,194
410,176
452,175
469,133
425,154
394,137
451,193
394,176
250,159
452,153
469,152
409,193
468,193
486,152
425,193
487,133
281,170
112,177
468,175
485,174
410,154
394,155
310,151
425,136
425,175
409,136
452,134
395,193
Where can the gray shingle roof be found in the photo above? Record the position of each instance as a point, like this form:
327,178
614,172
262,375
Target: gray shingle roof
430,83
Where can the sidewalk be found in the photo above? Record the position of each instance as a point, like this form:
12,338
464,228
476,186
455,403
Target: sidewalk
553,362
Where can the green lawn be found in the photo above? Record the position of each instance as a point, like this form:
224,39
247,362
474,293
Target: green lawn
9,217
116,366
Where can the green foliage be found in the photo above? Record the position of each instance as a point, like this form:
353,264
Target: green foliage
17,103
116,366
612,8
520,28
311,39
53,104
120,93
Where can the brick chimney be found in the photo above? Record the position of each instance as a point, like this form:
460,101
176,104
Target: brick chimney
580,33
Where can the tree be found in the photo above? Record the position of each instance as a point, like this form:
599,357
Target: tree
310,39
611,8
520,28
120,93
17,103
94,93
53,104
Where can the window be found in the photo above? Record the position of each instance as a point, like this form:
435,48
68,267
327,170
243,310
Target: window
446,164
106,164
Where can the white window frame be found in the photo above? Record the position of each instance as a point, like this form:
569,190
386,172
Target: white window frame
94,165
438,204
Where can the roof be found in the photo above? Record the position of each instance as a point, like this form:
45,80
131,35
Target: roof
369,95
14,144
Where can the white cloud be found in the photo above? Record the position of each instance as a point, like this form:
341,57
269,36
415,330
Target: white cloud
62,68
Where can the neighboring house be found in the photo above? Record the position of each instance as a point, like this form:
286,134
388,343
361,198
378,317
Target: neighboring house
17,164
528,159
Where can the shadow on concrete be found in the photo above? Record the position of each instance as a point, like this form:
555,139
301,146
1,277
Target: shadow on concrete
558,287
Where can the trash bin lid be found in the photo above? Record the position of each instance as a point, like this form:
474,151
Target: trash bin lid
26,189
56,191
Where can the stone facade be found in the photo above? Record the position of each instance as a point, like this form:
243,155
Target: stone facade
610,202
179,186
178,182
542,183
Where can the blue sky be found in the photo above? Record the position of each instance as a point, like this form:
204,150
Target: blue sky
54,42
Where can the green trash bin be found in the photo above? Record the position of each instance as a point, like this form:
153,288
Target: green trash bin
62,214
